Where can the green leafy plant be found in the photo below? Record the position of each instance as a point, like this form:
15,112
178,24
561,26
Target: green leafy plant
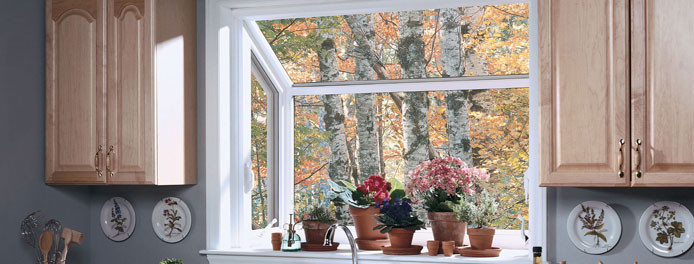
479,210
396,213
318,213
171,261
593,223
664,222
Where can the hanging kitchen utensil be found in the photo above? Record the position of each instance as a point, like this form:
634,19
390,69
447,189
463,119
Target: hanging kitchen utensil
30,232
56,230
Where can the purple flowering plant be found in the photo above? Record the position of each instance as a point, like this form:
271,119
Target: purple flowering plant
396,213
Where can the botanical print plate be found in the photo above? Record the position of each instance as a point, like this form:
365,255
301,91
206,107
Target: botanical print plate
171,219
666,229
117,219
594,227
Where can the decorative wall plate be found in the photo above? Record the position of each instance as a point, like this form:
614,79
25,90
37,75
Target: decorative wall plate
117,219
594,227
666,229
171,219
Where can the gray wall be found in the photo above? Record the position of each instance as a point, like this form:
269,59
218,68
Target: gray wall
22,158
629,204
22,112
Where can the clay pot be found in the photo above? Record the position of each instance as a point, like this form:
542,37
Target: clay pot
315,231
276,241
481,238
446,227
433,247
364,223
400,237
448,247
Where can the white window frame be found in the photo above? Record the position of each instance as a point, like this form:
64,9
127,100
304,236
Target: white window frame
231,34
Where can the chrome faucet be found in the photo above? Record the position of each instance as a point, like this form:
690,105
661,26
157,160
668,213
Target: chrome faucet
330,235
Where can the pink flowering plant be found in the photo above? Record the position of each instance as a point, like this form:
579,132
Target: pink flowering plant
372,191
439,182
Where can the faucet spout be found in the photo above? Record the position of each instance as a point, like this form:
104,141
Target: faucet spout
330,235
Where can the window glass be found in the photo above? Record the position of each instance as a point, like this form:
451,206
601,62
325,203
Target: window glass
351,136
259,154
490,40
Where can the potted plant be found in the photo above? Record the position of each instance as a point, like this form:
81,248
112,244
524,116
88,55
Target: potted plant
438,185
171,261
479,210
361,200
316,221
398,222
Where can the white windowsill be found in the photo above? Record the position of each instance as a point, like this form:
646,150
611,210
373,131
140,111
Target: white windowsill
509,240
344,255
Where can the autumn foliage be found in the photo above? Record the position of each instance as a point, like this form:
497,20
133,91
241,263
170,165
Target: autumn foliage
497,118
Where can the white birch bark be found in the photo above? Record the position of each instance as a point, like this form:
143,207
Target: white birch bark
367,128
475,64
457,121
415,104
334,119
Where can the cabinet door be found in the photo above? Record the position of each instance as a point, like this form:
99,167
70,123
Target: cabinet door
74,92
583,92
129,155
663,79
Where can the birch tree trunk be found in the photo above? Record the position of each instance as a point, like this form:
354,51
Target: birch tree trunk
367,128
475,64
457,122
334,119
415,104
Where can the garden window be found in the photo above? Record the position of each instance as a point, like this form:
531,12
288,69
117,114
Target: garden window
300,94
379,93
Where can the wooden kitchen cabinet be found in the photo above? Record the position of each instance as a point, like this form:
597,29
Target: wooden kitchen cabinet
583,92
613,70
142,110
662,92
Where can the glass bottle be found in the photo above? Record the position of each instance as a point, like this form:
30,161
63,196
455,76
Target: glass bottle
291,241
537,255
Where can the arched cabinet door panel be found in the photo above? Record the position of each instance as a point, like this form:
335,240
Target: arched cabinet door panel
74,93
130,103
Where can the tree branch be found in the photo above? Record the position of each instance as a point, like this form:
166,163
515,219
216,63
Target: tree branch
312,173
433,39
507,12
277,36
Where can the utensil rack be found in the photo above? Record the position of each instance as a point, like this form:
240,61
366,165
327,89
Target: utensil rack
32,229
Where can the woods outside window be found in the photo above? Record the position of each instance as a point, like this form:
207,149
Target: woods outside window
379,93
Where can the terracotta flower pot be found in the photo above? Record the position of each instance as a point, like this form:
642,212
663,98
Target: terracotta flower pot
481,238
400,237
315,231
364,223
433,247
446,227
448,248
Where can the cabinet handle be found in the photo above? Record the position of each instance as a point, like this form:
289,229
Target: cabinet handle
96,162
108,160
620,158
638,158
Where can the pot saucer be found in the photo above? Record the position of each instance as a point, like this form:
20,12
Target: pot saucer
318,247
413,250
480,253
367,244
458,250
